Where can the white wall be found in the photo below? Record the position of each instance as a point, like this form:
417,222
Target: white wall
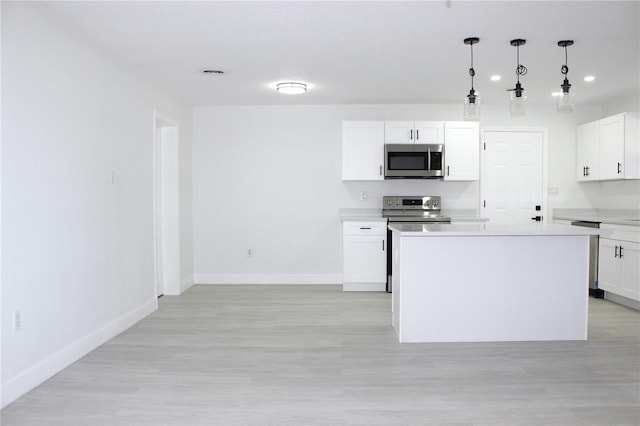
77,250
268,178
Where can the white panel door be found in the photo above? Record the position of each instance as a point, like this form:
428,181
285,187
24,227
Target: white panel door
512,179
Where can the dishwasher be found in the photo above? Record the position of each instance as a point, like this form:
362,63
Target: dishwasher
594,291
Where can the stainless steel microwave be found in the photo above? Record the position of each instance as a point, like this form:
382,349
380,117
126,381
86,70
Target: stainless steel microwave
413,161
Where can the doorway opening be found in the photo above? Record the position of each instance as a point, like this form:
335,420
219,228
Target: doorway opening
166,206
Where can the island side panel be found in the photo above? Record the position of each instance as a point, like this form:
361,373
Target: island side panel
493,288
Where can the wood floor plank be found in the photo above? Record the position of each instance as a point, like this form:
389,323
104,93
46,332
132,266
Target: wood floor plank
313,355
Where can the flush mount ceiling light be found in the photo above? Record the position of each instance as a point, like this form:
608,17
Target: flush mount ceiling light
517,95
291,88
589,78
565,101
496,78
472,100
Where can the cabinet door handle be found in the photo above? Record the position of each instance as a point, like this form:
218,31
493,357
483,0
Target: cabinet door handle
362,227
587,171
616,252
584,171
417,134
620,252
381,170
447,170
411,134
382,245
619,168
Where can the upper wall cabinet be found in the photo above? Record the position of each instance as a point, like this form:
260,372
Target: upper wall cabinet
609,149
362,150
414,132
588,151
461,150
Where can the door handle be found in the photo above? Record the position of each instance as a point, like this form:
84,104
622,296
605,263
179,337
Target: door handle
620,252
584,171
537,218
619,168
615,254
587,169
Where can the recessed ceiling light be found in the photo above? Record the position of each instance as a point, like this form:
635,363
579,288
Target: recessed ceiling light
556,94
207,71
496,78
291,88
589,78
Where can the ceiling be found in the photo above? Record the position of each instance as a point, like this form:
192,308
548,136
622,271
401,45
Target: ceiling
367,52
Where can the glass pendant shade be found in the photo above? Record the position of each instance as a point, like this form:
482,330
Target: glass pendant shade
565,101
472,106
517,101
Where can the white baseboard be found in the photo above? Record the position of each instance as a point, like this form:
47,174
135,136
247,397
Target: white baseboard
268,279
17,386
364,286
186,284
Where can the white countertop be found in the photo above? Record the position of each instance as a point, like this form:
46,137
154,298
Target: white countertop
611,216
488,229
370,214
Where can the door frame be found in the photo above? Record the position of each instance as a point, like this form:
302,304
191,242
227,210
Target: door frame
166,255
545,162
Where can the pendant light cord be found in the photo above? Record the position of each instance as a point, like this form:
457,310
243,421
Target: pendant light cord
565,68
472,72
520,69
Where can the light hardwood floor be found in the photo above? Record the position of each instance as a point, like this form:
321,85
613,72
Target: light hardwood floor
313,355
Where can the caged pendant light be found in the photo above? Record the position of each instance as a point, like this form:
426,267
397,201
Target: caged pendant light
517,95
472,100
565,101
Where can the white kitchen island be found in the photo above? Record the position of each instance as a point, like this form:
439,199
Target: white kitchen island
490,282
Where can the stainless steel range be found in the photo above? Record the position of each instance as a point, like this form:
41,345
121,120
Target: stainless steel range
414,209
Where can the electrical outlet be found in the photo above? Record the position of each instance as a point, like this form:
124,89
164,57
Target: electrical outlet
17,321
363,195
249,253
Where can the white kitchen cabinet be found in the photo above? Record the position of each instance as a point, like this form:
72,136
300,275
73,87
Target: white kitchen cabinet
413,132
588,151
609,149
461,151
362,150
364,256
619,261
619,147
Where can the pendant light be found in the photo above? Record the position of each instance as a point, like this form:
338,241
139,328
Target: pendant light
565,101
517,95
472,100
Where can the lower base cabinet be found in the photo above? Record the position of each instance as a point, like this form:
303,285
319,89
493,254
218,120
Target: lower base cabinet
364,256
619,261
